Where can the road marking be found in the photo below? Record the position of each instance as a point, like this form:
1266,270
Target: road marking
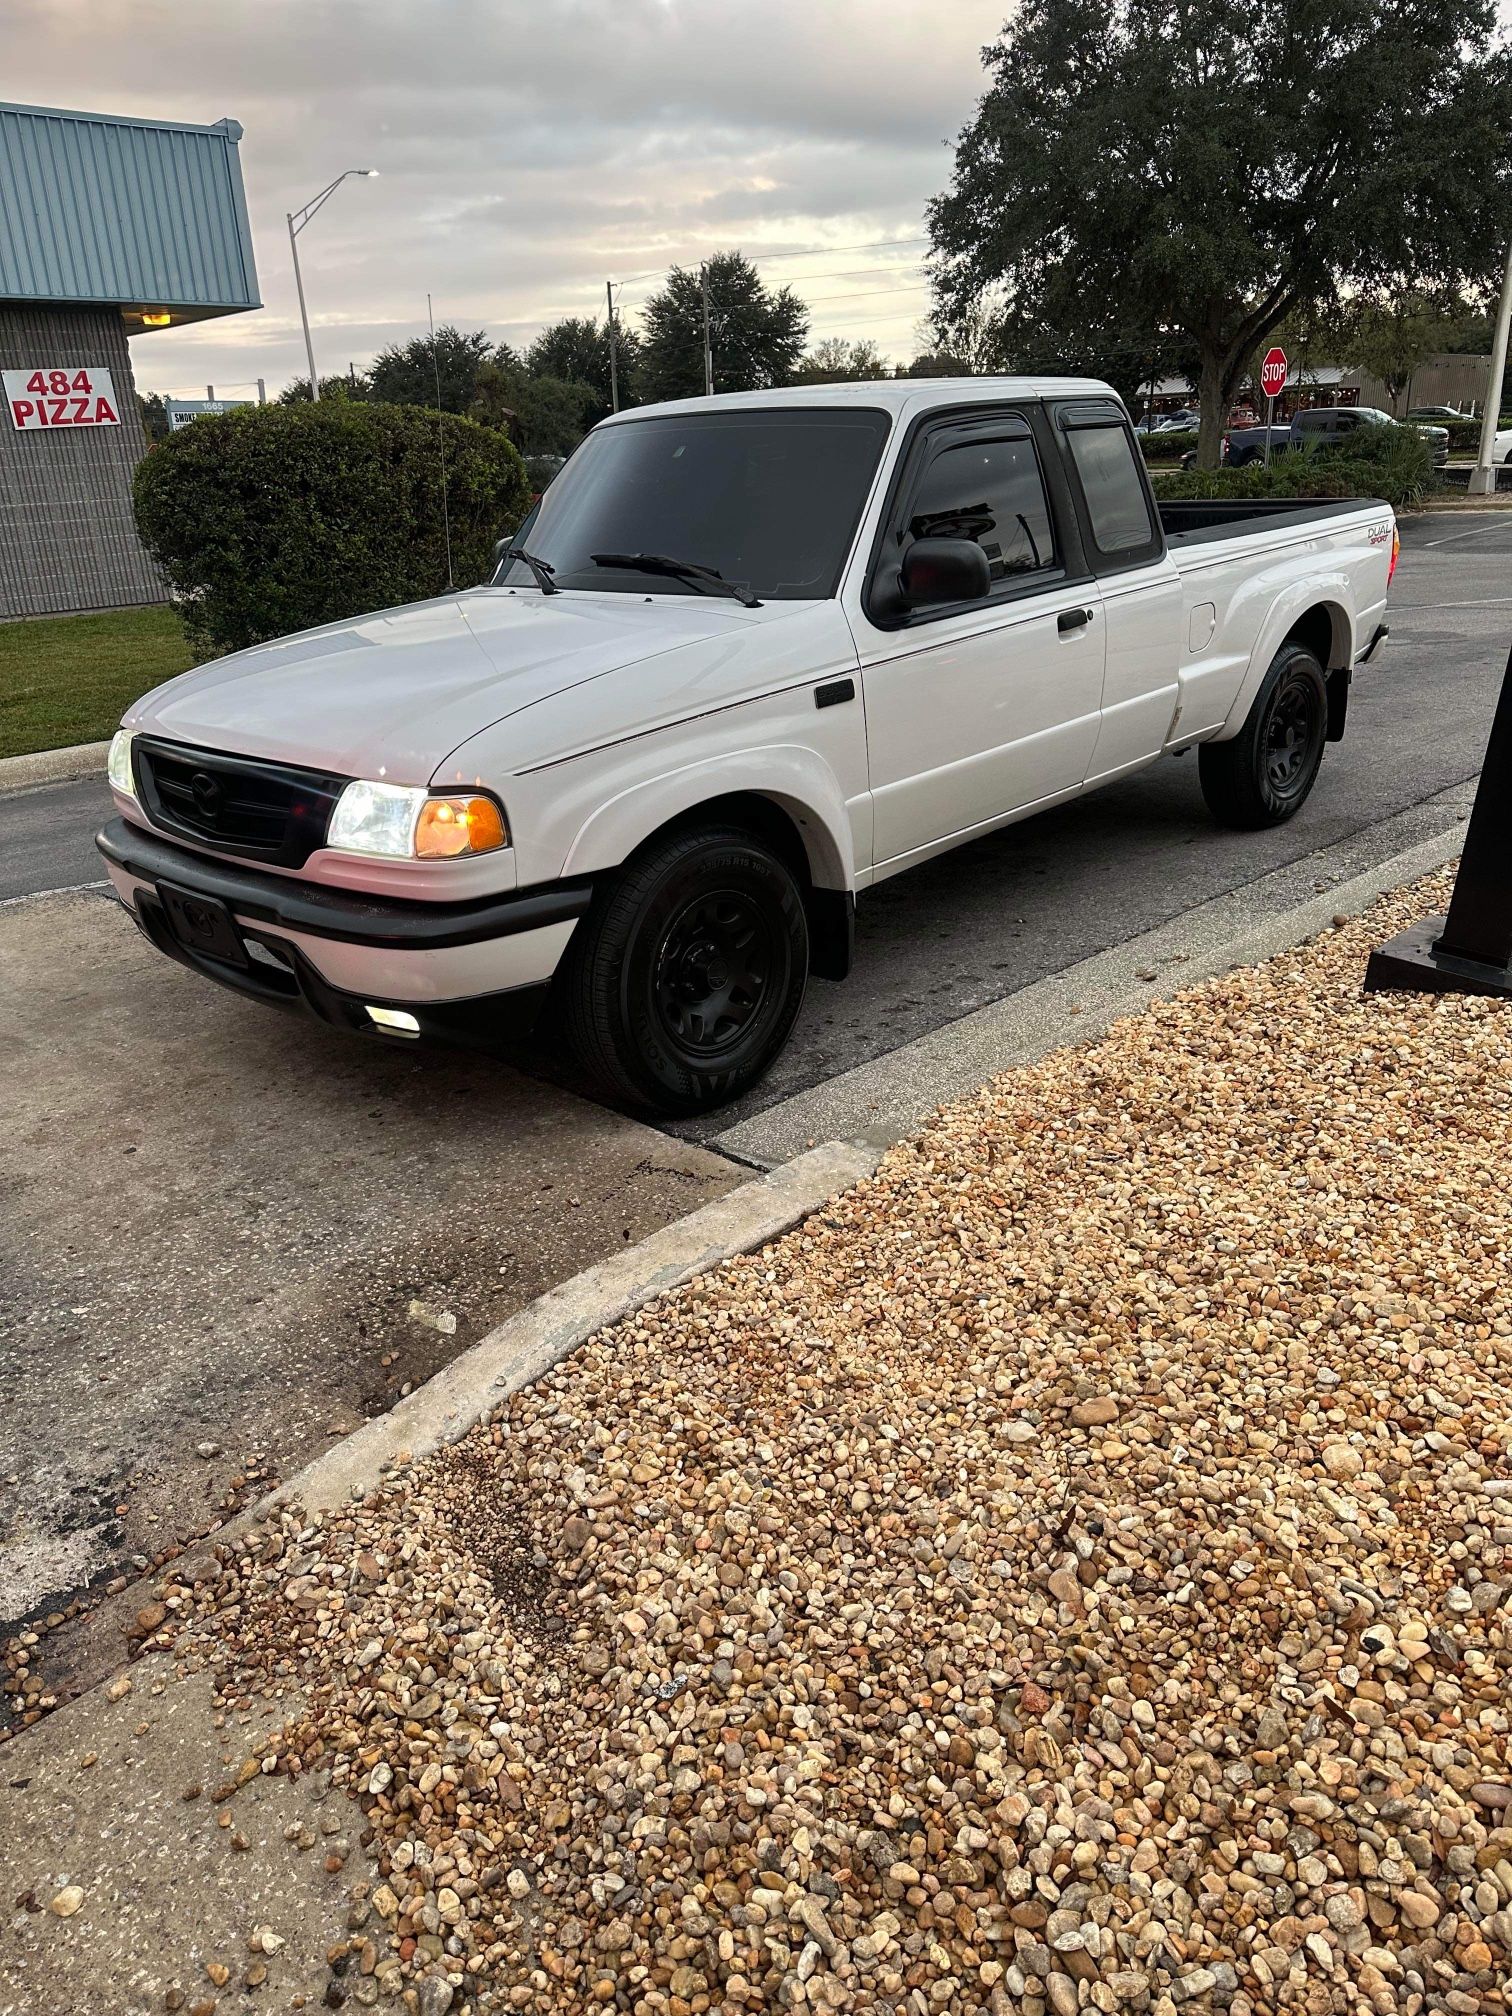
1479,532
1485,602
36,895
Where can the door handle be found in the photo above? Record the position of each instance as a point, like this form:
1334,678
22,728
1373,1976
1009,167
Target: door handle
1073,619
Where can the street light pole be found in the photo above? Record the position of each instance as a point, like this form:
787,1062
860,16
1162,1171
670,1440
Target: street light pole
297,220
1483,475
613,362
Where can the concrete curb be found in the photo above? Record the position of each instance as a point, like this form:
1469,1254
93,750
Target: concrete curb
888,1098
53,766
538,1336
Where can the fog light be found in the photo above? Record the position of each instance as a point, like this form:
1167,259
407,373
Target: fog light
399,1020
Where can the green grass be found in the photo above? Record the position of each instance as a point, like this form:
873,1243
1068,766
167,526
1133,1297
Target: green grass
66,679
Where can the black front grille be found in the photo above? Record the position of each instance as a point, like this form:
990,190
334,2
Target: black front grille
236,804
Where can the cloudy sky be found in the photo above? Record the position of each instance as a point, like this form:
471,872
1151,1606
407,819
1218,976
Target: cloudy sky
530,149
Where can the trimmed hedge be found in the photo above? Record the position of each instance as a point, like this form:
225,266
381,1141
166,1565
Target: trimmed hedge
1465,434
1160,449
1389,462
270,519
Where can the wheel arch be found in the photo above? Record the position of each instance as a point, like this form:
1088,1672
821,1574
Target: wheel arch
1316,615
802,818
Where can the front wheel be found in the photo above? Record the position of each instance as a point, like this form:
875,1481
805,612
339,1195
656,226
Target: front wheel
685,978
1264,775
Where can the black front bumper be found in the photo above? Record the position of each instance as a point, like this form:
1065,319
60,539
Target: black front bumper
284,978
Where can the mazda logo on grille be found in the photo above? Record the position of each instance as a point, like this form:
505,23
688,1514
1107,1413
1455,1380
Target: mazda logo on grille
207,793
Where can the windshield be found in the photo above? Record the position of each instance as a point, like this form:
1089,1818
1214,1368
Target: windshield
770,498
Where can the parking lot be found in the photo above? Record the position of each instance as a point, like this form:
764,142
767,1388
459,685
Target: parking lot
230,1235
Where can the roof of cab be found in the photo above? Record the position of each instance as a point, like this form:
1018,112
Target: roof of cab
896,395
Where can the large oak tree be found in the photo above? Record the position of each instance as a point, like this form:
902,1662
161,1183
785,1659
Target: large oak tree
1177,177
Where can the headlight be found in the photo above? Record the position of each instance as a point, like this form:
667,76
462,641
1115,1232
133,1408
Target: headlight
118,763
408,821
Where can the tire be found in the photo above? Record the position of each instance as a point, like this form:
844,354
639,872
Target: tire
685,978
1264,775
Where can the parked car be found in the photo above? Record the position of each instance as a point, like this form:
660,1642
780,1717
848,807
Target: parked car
1436,413
1317,426
1501,445
1247,444
747,658
1181,421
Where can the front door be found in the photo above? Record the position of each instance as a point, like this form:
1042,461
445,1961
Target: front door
978,710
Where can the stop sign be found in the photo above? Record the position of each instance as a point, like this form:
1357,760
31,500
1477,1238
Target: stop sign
1273,373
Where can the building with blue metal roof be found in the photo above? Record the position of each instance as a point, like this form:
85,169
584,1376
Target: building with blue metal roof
109,227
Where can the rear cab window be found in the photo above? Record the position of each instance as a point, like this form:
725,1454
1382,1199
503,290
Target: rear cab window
1113,494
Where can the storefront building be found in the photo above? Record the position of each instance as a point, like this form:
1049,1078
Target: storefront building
109,227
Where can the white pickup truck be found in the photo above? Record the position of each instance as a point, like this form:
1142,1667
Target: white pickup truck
747,657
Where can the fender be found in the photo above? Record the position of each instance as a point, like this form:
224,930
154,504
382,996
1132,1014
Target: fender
1330,591
792,777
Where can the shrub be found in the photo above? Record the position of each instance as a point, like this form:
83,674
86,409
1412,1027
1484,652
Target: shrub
1160,449
269,519
1389,462
1464,435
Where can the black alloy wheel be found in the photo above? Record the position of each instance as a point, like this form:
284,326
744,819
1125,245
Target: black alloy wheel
1264,774
685,978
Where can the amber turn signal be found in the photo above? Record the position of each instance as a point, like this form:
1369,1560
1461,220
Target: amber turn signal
449,826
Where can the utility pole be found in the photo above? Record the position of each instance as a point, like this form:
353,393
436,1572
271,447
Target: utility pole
703,281
613,360
1483,475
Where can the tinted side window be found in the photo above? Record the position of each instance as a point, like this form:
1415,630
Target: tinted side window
1116,502
992,492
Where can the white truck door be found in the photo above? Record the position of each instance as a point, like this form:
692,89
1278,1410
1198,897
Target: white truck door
1142,597
978,709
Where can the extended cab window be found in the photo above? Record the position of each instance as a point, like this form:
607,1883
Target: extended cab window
992,492
770,498
1118,508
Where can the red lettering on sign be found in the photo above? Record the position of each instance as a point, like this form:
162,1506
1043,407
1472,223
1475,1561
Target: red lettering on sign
59,412
36,382
22,409
81,412
104,412
82,382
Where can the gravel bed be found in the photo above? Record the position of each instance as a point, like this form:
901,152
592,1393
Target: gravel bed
1072,1572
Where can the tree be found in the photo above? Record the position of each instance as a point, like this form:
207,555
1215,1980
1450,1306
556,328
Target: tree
834,361
269,519
154,415
576,351
935,364
1190,168
757,334
405,373
541,415
340,385
1392,336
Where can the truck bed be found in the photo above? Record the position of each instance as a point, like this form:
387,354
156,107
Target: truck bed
1195,521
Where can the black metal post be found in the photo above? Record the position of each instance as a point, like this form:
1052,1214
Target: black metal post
1470,950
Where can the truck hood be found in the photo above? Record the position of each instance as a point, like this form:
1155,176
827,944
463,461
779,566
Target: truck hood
392,694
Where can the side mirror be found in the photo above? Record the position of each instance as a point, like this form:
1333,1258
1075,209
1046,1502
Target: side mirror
501,548
944,570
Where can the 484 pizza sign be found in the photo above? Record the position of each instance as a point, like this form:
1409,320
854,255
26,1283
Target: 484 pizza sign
75,395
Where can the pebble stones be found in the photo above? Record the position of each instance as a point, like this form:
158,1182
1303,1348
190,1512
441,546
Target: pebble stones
1072,1572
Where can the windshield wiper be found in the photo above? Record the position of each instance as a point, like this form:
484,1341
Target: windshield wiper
682,570
542,569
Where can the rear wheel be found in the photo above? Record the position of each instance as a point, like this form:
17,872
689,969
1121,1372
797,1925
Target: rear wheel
685,978
1264,775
